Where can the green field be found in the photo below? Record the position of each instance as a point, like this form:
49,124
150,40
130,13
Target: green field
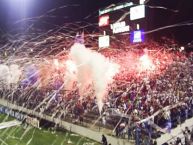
4,118
20,135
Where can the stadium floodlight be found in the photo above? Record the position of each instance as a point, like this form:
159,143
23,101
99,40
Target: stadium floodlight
19,8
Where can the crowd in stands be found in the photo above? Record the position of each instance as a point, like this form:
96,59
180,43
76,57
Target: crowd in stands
139,105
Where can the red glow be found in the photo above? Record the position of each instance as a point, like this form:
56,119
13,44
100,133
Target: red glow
103,20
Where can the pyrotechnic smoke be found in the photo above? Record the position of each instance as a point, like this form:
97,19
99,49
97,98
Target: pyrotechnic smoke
15,73
70,74
9,74
4,74
94,68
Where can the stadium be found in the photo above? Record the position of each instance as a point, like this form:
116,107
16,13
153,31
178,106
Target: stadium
117,76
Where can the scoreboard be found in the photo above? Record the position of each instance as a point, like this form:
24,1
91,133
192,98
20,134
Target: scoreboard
128,17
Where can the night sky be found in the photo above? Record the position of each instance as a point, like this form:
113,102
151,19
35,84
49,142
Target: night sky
13,10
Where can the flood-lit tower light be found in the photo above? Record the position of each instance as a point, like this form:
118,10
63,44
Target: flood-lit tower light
18,10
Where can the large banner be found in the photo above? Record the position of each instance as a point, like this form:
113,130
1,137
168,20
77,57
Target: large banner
13,113
19,116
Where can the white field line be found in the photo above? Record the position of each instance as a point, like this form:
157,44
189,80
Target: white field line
9,124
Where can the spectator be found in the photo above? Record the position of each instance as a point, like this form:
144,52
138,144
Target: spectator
104,140
155,142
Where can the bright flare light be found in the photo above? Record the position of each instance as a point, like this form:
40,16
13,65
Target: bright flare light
146,63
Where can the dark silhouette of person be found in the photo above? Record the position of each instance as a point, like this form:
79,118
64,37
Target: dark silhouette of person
104,140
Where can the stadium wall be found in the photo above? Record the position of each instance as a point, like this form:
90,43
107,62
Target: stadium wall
87,132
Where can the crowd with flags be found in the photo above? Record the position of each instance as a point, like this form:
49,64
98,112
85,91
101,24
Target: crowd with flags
144,104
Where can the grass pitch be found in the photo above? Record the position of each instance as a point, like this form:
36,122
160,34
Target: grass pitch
28,135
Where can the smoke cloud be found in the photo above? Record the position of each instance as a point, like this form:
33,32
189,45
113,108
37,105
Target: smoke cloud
93,69
9,74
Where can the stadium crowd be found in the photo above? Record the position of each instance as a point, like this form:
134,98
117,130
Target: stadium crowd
140,105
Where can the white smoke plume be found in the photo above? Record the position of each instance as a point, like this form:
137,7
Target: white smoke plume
93,68
9,74
15,73
70,74
4,75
